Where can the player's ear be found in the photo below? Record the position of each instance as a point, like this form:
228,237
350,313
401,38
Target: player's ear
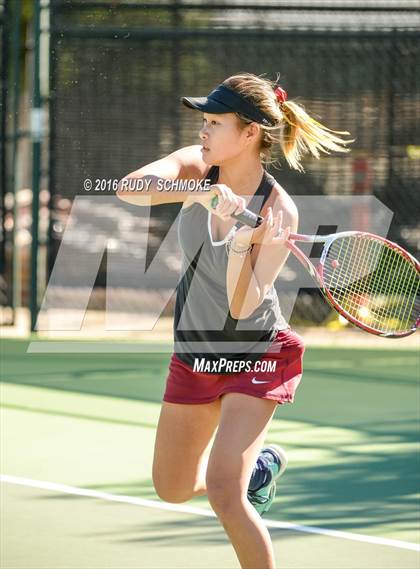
252,132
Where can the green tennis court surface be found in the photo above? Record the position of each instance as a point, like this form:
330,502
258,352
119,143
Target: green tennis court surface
75,424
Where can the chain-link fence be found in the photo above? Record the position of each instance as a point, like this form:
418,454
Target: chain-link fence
118,70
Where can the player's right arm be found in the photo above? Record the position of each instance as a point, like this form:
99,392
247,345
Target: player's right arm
183,164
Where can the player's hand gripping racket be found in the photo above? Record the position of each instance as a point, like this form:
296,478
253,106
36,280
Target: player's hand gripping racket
370,281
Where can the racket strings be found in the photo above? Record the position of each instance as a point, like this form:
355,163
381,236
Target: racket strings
358,299
373,282
390,289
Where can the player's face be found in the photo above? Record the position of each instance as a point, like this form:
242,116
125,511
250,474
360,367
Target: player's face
221,137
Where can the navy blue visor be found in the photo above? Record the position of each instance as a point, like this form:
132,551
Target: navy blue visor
225,100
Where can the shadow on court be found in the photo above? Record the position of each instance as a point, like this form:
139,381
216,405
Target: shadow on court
351,495
351,434
141,376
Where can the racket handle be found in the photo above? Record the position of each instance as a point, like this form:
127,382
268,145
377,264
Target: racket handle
247,217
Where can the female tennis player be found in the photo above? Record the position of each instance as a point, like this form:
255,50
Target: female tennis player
235,357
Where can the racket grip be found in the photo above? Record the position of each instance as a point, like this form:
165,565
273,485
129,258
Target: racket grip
247,217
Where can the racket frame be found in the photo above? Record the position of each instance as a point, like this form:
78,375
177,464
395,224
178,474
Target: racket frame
251,219
317,272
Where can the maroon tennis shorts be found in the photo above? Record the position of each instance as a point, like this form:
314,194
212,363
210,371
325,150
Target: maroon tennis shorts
275,375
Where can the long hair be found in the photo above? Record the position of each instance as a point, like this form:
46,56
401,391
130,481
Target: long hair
295,131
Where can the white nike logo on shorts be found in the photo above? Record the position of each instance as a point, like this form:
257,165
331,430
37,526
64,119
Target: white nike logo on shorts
255,380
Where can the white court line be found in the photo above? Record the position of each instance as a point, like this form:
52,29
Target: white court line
201,511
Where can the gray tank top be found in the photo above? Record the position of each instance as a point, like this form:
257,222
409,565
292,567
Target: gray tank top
203,325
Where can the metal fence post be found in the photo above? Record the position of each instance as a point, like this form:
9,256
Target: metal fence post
36,135
16,47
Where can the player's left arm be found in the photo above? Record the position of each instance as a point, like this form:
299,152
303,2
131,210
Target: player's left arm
247,285
269,259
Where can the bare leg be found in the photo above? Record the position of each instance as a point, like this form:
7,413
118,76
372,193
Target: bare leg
183,441
242,430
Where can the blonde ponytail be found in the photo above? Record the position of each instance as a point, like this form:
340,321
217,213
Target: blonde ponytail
295,131
301,134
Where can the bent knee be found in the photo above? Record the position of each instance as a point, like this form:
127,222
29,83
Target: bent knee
169,488
171,495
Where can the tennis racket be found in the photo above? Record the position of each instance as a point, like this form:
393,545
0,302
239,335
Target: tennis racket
372,282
